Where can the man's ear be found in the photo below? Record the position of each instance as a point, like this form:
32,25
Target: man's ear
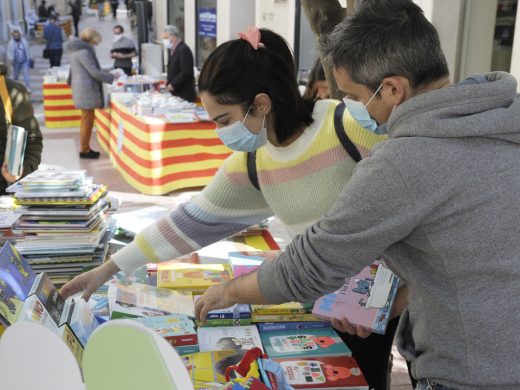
262,104
396,89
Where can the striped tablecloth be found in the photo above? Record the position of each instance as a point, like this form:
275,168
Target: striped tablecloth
58,106
156,157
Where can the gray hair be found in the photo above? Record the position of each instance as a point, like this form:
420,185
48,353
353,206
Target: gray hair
171,30
386,38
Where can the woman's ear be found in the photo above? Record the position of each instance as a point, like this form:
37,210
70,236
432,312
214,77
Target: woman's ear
262,104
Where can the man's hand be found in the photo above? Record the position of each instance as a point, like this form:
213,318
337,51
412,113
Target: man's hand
7,176
90,281
344,325
215,297
169,88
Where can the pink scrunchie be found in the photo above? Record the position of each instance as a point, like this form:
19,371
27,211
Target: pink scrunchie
252,35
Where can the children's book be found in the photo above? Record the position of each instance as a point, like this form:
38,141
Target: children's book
323,373
49,296
177,329
141,300
304,343
210,366
237,311
264,327
283,317
16,280
244,262
365,299
235,338
191,277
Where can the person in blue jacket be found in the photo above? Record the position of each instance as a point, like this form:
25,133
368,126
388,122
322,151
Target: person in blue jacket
55,36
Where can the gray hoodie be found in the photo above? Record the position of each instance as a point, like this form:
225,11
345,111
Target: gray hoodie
86,76
440,201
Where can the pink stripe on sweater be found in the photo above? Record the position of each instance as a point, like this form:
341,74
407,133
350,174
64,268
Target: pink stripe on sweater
238,179
314,164
173,237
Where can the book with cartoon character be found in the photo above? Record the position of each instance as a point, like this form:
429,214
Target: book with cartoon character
177,329
304,343
365,299
334,372
16,280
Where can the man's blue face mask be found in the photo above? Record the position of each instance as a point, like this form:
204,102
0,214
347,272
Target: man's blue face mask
359,112
238,137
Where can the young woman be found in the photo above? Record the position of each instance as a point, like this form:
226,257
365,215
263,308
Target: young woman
249,88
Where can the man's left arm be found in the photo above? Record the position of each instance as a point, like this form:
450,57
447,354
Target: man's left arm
374,211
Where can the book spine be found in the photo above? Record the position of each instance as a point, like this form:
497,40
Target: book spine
186,349
179,341
280,311
283,318
283,326
226,322
229,316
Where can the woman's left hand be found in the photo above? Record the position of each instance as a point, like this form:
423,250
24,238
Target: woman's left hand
7,176
344,325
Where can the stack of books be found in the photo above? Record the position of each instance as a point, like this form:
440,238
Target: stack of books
63,228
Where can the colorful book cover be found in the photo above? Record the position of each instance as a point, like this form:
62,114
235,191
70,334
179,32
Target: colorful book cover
79,316
283,317
72,342
335,372
282,326
16,280
187,349
284,308
304,343
365,299
49,296
226,322
244,262
177,329
235,338
210,366
141,300
191,277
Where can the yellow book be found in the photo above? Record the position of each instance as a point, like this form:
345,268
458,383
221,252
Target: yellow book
283,317
284,308
2,329
191,277
210,366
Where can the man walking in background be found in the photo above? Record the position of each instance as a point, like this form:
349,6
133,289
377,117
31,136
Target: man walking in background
76,14
123,50
55,36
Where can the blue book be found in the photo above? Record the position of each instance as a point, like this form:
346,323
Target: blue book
236,312
16,280
264,327
304,343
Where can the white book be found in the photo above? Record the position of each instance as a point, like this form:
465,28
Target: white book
236,338
15,149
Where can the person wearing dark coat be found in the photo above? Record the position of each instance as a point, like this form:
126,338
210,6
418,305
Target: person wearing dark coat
75,12
22,114
55,36
180,79
86,79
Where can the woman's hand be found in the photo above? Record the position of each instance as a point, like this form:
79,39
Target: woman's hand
90,281
7,176
344,325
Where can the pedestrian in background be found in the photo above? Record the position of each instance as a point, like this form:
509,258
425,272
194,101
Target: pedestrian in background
75,12
86,79
114,4
180,80
123,49
19,56
55,36
42,12
101,9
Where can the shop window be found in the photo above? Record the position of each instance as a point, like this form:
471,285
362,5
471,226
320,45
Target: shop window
504,34
206,30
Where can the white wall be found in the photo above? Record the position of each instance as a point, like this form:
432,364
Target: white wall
160,18
189,24
233,16
515,59
277,15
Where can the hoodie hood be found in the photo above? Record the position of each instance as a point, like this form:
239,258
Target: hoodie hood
77,44
481,106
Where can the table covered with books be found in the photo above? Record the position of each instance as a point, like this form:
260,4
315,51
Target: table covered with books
261,344
161,153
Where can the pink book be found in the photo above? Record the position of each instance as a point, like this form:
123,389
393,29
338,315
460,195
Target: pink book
365,299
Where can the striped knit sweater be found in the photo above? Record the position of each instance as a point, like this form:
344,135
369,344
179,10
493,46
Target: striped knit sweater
299,183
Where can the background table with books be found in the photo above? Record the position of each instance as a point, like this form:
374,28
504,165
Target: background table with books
58,106
157,156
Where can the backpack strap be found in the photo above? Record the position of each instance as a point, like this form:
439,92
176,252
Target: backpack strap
6,99
345,141
251,169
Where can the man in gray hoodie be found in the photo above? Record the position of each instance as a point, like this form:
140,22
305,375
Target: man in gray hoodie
439,200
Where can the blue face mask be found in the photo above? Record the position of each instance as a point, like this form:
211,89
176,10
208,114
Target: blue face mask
237,136
359,112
